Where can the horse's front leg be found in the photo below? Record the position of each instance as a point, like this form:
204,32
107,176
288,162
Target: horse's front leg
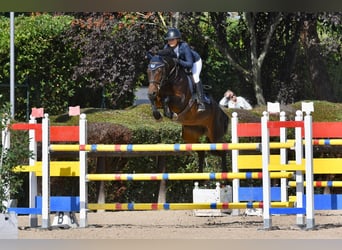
167,112
155,111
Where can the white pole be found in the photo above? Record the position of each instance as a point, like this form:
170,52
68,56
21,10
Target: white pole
266,190
12,76
46,172
235,168
83,172
310,221
32,175
6,134
299,174
283,158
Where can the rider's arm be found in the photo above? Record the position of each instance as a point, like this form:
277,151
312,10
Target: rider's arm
185,59
224,102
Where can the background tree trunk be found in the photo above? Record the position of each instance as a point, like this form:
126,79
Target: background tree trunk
321,85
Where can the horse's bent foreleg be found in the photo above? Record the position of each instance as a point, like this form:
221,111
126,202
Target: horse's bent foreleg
166,108
155,111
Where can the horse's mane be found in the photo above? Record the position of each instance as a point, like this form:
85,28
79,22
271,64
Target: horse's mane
167,52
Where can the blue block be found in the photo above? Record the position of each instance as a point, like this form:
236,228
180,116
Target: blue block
61,203
25,210
287,210
255,194
57,204
326,201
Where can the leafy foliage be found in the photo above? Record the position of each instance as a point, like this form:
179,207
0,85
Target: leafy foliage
113,47
43,62
17,154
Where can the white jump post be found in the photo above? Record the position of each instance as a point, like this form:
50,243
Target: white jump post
283,158
83,172
33,219
299,173
46,171
310,220
235,169
274,108
266,191
6,144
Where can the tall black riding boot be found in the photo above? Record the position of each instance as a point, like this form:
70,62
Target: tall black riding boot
200,97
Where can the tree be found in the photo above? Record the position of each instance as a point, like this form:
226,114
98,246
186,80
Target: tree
322,87
113,47
43,63
17,154
259,45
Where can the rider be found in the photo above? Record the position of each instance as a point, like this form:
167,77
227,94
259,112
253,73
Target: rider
189,59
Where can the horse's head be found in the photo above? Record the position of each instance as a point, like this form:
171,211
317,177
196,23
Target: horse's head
155,75
158,73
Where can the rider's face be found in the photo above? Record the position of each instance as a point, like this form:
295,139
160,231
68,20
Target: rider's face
172,42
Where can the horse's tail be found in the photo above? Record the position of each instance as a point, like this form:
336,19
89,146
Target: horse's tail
226,121
225,117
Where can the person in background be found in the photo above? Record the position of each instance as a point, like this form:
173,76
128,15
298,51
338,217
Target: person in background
230,100
188,59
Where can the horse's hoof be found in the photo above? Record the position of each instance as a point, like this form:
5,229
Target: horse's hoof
174,117
157,115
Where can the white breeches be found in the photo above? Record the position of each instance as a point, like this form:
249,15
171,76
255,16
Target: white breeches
196,70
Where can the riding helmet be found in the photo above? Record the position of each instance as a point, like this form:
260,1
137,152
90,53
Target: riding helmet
173,33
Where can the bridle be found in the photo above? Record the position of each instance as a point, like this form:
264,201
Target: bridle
153,66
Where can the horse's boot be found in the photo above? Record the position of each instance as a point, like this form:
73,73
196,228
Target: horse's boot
200,97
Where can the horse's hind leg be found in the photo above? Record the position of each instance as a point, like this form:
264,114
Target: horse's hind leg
201,158
224,161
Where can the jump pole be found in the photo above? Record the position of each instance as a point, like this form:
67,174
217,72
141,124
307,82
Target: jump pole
184,176
181,206
164,147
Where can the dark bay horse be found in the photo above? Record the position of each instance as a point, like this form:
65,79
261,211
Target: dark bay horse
171,89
